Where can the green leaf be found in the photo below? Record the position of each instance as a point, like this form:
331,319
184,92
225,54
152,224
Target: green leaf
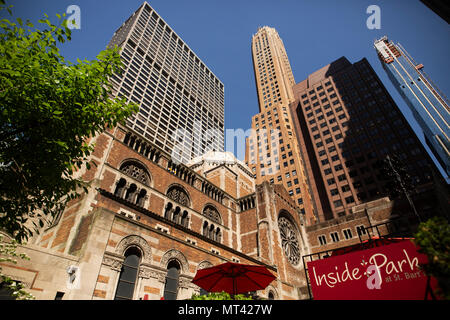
41,86
61,143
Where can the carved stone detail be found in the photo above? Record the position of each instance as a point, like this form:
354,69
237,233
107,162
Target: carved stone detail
174,254
138,241
204,264
113,262
136,171
212,213
179,195
289,240
146,273
186,283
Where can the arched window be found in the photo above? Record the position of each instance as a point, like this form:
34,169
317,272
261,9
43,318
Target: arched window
185,219
127,138
136,170
289,239
178,194
120,187
205,229
128,275
171,287
271,296
168,210
176,215
141,198
218,235
212,214
211,232
129,196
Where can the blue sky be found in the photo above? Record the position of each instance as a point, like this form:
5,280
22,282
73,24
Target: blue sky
315,33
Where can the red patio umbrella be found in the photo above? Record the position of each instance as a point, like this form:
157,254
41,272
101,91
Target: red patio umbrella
233,278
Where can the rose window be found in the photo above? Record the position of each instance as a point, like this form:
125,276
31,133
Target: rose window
289,240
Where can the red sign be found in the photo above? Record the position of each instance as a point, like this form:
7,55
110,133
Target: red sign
388,272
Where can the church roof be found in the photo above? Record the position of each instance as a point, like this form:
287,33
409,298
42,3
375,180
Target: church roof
218,157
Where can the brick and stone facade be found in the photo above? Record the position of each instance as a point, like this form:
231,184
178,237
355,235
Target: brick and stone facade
200,216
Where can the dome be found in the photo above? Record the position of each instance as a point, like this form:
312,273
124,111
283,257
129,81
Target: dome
217,157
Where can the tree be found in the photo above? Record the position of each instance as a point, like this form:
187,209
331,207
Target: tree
399,182
49,108
220,296
8,254
433,238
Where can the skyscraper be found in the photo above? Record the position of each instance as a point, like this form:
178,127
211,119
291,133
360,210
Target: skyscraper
273,74
347,123
272,152
429,106
181,100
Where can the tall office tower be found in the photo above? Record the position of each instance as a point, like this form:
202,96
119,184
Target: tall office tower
272,152
440,7
181,100
429,106
347,123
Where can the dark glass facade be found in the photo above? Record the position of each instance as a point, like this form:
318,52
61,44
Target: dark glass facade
347,123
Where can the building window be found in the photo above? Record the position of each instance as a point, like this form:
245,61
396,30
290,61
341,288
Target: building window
212,213
289,240
140,199
179,195
128,275
361,230
171,286
132,190
120,188
347,234
334,236
338,203
136,171
322,240
212,232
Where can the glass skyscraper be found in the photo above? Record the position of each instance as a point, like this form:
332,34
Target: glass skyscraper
347,124
428,105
